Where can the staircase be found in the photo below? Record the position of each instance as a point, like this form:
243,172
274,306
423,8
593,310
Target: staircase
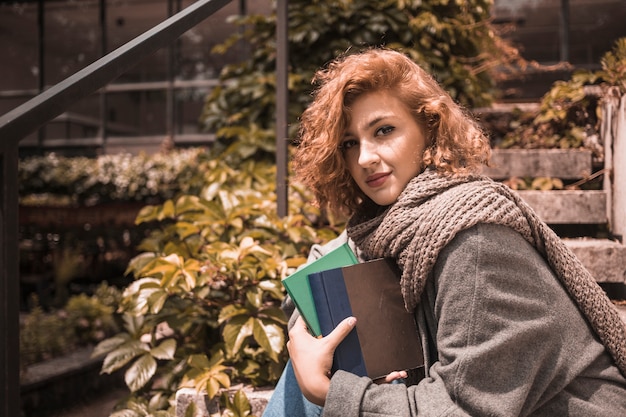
605,209
605,257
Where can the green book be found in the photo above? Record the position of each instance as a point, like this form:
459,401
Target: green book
297,284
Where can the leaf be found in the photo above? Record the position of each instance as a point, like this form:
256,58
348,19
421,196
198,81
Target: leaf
255,297
221,377
146,214
198,361
295,262
240,404
270,337
165,350
139,406
167,210
156,301
166,265
186,229
137,285
188,203
236,331
110,344
125,413
212,387
275,314
272,286
229,200
190,279
231,311
158,401
140,372
139,262
143,298
190,411
133,324
161,413
542,183
122,355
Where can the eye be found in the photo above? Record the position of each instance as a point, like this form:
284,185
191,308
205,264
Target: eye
347,144
384,130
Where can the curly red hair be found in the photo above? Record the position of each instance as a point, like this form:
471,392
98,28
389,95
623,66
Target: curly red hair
458,146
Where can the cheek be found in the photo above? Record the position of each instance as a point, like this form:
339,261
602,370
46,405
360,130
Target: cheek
350,160
417,158
418,154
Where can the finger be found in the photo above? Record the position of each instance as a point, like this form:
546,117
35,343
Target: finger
395,375
299,327
341,331
299,332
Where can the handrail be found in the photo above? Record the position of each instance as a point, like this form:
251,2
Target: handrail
24,119
28,117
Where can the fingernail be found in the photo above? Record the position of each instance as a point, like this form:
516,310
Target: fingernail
351,321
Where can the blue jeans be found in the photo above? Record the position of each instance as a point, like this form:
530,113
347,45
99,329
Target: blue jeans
288,400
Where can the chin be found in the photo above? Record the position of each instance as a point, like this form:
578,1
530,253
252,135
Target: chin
385,201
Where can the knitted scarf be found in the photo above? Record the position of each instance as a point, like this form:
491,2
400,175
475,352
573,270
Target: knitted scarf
434,208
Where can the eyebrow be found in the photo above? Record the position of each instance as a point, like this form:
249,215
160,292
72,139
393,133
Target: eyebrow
376,120
371,123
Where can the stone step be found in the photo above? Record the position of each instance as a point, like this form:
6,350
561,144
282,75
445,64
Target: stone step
553,206
568,206
557,163
605,259
258,398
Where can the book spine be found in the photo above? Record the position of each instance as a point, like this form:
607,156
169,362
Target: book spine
331,299
318,291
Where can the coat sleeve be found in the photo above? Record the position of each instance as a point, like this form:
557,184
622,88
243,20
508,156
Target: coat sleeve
505,328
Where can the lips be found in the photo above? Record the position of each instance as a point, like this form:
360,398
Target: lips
376,180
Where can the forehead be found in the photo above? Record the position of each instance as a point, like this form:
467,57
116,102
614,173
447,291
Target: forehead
368,108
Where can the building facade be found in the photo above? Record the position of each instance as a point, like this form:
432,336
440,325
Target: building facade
160,100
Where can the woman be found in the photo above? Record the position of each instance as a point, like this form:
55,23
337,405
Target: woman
511,323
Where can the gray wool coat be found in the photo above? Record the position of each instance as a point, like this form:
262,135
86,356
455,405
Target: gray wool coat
501,338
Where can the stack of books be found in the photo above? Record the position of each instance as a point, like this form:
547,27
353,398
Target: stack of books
337,286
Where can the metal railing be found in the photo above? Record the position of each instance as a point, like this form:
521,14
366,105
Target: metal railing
25,119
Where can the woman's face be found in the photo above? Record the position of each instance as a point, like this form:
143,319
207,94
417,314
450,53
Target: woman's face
383,146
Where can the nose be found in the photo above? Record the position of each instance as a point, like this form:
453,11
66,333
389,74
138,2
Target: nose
368,153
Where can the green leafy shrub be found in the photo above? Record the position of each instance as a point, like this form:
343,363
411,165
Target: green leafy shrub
84,321
44,336
92,320
118,177
569,115
204,309
453,40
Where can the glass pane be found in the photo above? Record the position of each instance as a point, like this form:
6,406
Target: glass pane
18,46
72,38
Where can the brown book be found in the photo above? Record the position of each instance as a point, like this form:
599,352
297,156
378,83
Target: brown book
385,338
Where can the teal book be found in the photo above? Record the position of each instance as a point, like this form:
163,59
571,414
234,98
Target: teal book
297,284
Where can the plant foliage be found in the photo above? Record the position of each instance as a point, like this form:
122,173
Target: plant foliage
452,39
116,177
570,112
83,321
204,308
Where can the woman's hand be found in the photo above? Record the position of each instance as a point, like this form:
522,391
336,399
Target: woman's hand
312,358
